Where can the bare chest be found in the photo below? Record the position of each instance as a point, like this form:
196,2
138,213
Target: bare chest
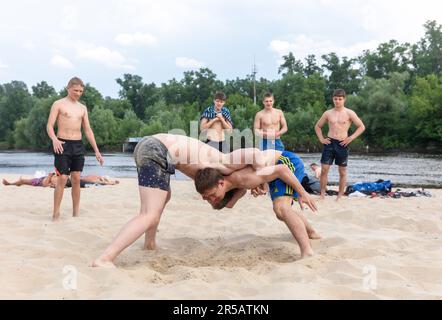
71,114
339,119
270,119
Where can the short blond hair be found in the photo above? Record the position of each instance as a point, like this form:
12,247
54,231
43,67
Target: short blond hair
75,81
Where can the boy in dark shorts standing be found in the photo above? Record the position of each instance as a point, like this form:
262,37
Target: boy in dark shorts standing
69,150
335,146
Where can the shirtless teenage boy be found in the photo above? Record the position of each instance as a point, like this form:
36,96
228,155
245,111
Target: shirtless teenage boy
156,158
270,125
69,150
335,146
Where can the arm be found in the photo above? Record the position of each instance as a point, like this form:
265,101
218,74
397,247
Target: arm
360,128
318,129
238,194
241,158
284,126
257,126
53,114
206,123
90,137
282,172
226,124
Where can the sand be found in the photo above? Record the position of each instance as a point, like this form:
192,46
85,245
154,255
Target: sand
371,248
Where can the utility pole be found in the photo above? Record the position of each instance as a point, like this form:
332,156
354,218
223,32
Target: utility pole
254,71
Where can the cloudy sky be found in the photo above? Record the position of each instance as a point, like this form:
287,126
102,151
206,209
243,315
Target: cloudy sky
99,41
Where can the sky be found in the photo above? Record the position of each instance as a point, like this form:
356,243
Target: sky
100,41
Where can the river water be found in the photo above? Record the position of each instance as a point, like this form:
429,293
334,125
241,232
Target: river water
402,169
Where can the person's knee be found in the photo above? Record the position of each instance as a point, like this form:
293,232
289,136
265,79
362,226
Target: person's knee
75,178
149,220
281,210
62,179
343,171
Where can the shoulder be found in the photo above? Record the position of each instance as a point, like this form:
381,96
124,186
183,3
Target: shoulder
327,113
82,106
350,112
58,103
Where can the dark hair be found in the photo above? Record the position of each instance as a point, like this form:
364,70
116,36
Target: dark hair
267,95
75,81
313,164
206,179
219,95
227,197
339,93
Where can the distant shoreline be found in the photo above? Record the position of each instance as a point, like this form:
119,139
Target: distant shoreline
353,153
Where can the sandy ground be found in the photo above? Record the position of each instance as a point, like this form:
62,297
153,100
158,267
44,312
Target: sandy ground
371,248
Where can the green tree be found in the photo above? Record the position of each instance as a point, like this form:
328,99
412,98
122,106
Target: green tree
382,106
43,90
14,105
129,126
119,107
426,111
342,74
105,127
389,57
427,53
139,94
200,86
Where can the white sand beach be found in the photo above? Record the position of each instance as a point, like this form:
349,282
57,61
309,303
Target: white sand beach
371,248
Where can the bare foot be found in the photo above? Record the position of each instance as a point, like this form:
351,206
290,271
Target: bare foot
150,246
102,264
322,197
55,218
313,235
338,198
5,182
307,254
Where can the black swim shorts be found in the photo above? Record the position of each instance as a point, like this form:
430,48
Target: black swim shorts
72,158
154,164
335,152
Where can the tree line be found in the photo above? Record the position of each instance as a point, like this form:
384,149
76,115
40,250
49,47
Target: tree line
396,90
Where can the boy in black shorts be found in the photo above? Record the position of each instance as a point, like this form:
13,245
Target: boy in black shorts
69,150
335,146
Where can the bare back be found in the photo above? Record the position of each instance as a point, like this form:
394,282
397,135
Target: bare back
69,119
190,155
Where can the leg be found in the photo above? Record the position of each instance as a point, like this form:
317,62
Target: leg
342,181
58,195
75,181
282,206
312,234
151,232
324,179
152,205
